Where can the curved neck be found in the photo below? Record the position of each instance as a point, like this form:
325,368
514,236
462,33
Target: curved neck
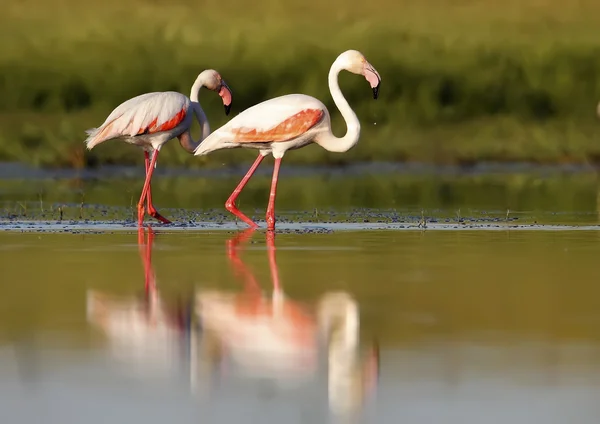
341,354
185,139
327,139
341,310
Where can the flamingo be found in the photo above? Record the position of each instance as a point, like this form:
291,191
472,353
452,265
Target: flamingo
277,337
290,122
150,120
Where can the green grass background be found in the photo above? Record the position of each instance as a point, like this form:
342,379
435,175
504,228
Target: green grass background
463,81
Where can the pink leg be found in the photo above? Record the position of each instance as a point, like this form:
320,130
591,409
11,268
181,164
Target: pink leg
146,256
239,267
146,188
230,204
271,207
150,279
272,260
149,206
240,238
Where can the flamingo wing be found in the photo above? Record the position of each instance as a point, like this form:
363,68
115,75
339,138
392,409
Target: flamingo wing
291,127
145,114
276,120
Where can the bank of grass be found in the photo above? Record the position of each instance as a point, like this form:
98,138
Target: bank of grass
485,80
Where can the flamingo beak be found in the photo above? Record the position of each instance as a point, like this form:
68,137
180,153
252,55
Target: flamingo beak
376,90
226,95
374,79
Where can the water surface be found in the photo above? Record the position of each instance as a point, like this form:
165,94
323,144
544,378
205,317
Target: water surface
343,326
371,192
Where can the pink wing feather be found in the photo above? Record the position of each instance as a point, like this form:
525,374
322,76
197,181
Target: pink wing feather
287,129
145,114
276,120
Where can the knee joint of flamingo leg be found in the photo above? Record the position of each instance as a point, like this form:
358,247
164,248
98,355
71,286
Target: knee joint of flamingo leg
229,205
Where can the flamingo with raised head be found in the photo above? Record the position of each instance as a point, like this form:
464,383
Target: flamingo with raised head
290,122
150,120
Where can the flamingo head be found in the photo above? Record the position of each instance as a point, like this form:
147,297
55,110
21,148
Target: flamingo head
355,62
213,81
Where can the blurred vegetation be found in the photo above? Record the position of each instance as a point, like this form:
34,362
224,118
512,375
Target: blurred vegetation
528,197
462,82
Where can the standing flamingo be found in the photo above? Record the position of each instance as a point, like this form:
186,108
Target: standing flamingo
152,119
290,122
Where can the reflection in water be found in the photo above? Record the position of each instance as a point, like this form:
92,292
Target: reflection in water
276,337
472,325
144,332
245,333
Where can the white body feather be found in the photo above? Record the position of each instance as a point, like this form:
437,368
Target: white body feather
263,117
142,336
126,120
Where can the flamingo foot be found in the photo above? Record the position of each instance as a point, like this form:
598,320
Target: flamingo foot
240,238
230,206
156,215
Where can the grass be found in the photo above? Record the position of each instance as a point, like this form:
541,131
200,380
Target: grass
462,82
555,198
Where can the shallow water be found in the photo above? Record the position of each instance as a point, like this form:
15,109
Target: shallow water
375,194
357,311
368,326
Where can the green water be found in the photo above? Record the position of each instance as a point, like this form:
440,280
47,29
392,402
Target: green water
502,324
317,195
462,325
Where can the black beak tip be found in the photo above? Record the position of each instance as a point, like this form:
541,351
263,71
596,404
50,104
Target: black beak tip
376,92
227,109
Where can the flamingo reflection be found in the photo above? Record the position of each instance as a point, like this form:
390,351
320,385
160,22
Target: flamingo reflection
278,338
257,335
143,332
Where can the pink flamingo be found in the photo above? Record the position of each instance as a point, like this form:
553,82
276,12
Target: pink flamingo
290,122
152,119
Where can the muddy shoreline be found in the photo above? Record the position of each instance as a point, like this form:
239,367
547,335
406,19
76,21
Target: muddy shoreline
285,227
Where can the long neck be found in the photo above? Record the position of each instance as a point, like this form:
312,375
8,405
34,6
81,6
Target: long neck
327,139
343,341
185,139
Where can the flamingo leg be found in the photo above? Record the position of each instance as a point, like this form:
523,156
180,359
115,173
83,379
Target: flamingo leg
239,268
150,280
146,256
273,261
230,204
149,205
271,207
149,171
